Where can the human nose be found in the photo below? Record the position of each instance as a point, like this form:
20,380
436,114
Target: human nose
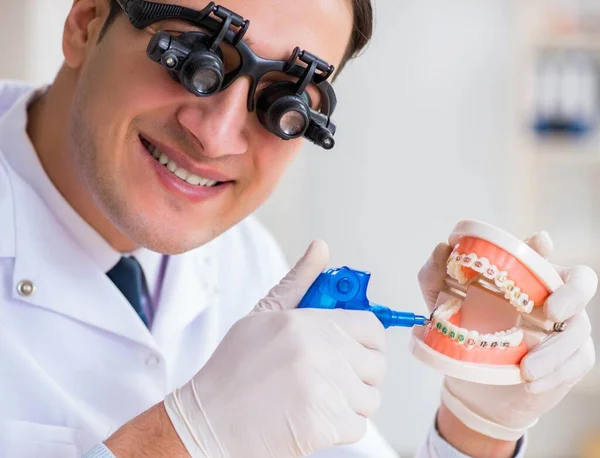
220,121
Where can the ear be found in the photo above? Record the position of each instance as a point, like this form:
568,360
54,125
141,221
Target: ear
82,27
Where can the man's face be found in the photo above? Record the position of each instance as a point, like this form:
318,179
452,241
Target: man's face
123,97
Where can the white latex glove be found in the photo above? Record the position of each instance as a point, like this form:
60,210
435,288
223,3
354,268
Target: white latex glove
550,369
284,382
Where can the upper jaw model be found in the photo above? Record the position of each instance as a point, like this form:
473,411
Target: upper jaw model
489,315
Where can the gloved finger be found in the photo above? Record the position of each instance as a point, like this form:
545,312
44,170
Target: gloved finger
292,288
351,428
365,400
363,327
431,276
569,373
369,365
553,352
362,398
541,242
581,283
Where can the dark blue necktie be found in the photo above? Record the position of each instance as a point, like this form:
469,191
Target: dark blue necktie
128,276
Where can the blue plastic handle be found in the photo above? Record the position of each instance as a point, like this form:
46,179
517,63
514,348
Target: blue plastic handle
346,288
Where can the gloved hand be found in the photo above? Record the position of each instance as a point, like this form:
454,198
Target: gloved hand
550,369
284,382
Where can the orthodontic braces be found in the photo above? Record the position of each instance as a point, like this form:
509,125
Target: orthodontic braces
453,270
471,339
482,265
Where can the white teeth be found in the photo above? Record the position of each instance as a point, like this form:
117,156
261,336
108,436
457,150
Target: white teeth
491,272
524,304
462,336
182,173
468,260
516,338
491,339
452,331
481,265
445,329
515,294
472,338
501,340
501,279
193,179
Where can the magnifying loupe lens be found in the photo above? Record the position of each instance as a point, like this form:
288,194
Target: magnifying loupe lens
206,80
202,74
292,123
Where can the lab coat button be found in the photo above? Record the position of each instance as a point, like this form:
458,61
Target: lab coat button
25,288
152,360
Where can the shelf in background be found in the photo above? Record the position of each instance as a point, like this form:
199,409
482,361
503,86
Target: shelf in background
564,158
567,150
573,41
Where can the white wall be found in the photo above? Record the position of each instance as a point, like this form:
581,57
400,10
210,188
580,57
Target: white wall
13,31
31,32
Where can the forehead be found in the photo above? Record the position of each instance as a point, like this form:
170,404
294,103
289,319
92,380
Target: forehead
322,27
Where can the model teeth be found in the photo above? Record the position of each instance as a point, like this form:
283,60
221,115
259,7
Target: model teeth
470,339
462,336
178,171
453,331
482,265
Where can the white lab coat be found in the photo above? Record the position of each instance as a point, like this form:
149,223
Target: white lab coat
76,363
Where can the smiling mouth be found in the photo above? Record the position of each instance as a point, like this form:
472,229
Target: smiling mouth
177,170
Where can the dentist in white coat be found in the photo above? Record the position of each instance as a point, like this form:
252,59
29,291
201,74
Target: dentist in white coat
135,312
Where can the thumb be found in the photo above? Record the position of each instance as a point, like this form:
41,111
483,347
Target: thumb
431,276
541,242
290,291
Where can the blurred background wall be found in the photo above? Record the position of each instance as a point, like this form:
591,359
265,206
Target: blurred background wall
455,111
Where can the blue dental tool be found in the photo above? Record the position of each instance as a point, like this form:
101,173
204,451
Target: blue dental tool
346,288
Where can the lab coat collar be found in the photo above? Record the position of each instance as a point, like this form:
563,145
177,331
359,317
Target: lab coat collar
68,282
65,279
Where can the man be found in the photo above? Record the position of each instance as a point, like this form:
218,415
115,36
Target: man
131,307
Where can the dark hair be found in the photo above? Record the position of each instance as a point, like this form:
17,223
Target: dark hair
362,29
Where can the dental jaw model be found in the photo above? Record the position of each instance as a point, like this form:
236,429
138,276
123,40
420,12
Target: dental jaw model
490,313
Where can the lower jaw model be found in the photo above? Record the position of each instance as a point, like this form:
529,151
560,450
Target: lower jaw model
447,337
